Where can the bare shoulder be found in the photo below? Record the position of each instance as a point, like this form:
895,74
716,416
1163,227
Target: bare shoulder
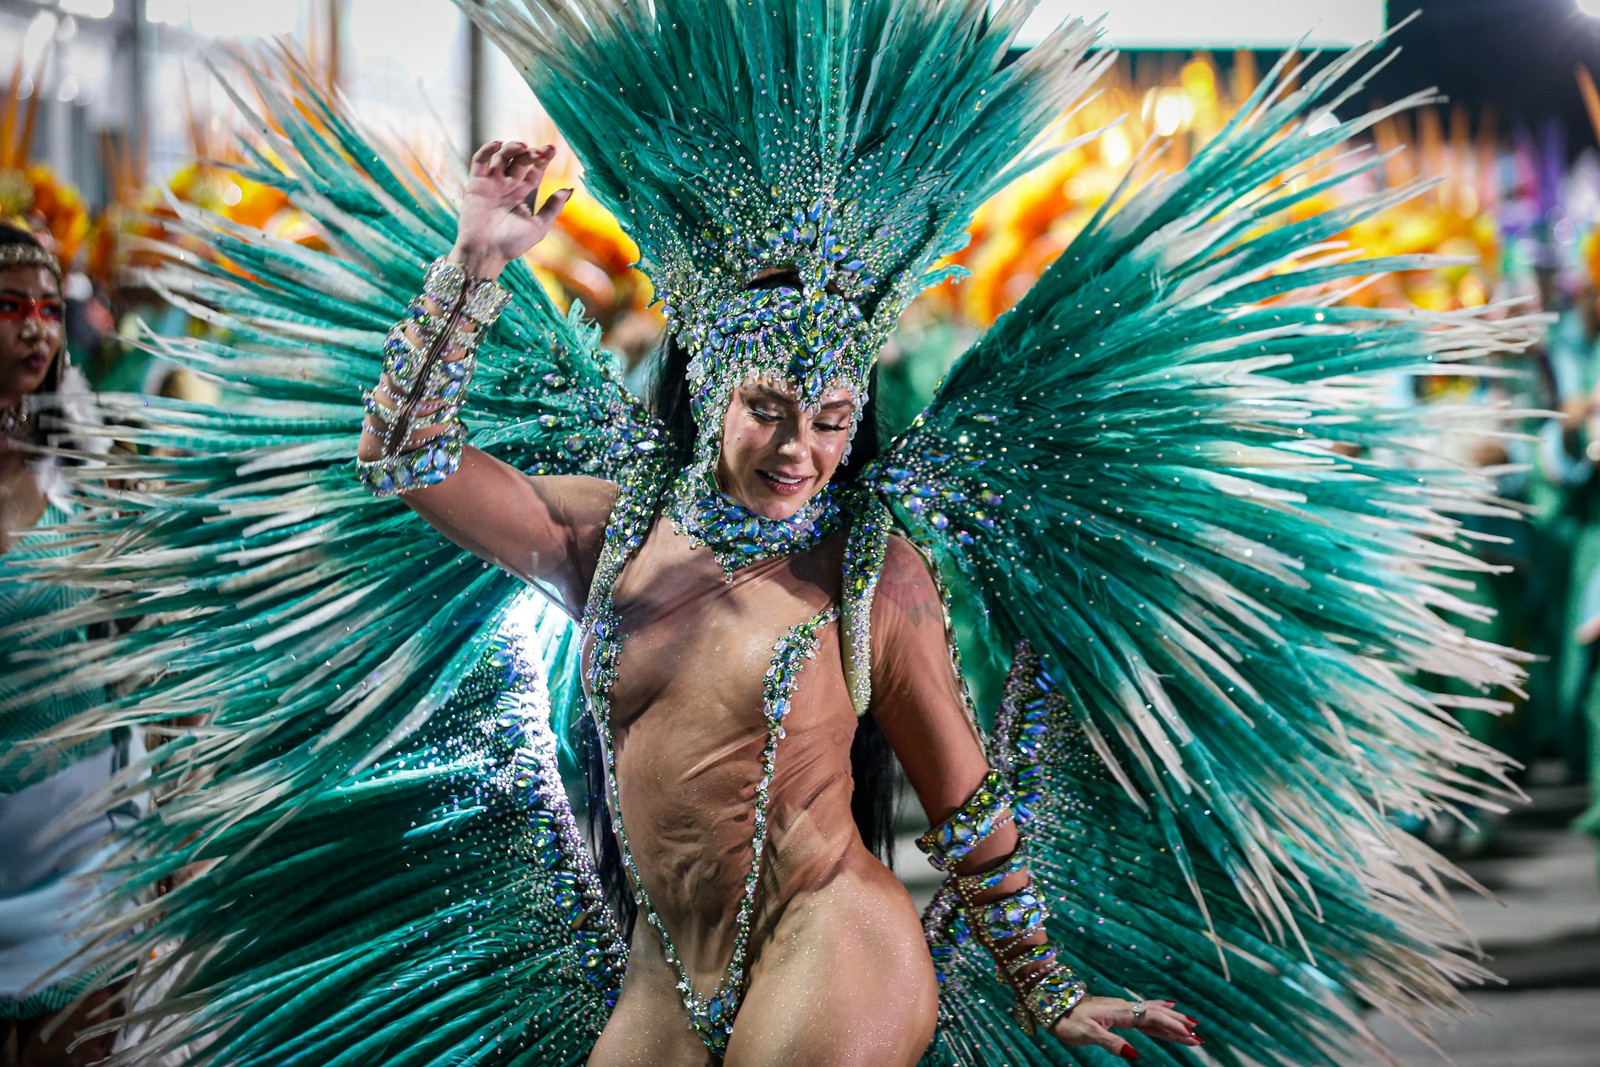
905,575
906,590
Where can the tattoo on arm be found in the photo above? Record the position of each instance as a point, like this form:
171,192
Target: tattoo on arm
926,608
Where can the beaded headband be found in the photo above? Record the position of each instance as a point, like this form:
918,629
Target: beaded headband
28,255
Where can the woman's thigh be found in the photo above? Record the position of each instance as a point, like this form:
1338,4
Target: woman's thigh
648,1027
844,980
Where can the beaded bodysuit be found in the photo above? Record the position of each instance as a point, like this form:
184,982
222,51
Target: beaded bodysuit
727,720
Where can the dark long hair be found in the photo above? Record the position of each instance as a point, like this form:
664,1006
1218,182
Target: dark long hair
872,761
12,235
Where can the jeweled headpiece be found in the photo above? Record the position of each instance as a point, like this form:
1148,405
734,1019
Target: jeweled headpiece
846,141
28,255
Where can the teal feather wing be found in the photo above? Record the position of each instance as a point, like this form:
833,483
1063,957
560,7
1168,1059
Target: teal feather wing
434,906
333,671
1169,472
545,396
1121,920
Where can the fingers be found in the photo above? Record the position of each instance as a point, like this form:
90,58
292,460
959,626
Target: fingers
514,159
1119,1047
1090,1032
480,158
527,167
1170,1025
1114,1044
500,161
1093,1027
1162,1020
552,205
1093,1022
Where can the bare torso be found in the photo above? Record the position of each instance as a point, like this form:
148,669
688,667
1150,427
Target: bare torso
836,946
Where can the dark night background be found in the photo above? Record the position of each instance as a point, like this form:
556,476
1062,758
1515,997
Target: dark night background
1515,57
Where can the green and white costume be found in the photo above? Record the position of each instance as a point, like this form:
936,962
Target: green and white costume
46,867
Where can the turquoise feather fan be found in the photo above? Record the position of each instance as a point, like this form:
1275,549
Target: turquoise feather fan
1167,472
347,788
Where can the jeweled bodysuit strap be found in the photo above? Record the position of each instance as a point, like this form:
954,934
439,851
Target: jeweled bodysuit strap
631,517
864,551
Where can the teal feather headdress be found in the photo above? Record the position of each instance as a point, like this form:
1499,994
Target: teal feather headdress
847,143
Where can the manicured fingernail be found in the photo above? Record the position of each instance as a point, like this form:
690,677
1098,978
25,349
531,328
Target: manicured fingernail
1129,1052
1192,1022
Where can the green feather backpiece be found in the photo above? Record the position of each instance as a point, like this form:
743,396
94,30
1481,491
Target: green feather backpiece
1169,475
381,884
1165,478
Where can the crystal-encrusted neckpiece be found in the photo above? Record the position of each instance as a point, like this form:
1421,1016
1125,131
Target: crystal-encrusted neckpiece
738,536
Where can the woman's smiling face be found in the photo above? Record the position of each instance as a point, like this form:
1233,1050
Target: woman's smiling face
777,455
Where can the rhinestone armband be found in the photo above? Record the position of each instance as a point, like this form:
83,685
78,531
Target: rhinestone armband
428,361
1010,926
1051,997
985,811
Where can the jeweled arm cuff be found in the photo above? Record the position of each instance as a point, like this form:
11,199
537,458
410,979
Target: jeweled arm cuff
1051,997
1011,926
988,809
445,283
428,362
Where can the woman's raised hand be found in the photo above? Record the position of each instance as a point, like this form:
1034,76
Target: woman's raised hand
1092,1020
499,222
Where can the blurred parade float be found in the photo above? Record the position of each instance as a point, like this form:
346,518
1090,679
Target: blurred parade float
32,196
587,258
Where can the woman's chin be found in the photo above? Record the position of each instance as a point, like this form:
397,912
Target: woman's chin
780,509
21,382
